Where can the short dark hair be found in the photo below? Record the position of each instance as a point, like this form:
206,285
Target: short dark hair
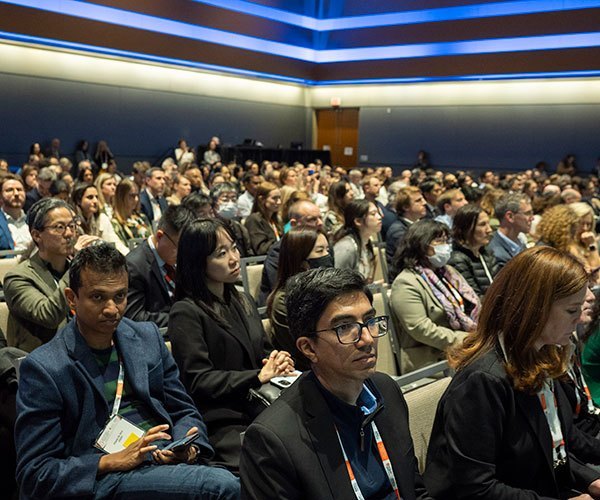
412,250
36,217
175,218
309,293
196,201
151,171
428,184
102,258
10,177
248,176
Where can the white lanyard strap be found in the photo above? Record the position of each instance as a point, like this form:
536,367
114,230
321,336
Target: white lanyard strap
385,460
550,407
119,392
485,268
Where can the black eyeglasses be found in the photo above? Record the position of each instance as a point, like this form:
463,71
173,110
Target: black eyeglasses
61,227
350,333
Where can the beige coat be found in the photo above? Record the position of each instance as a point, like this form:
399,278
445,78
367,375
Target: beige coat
37,304
420,322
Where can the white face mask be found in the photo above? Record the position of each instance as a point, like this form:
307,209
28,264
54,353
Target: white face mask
441,256
228,210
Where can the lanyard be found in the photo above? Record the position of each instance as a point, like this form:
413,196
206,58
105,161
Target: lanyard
485,268
385,460
559,451
119,392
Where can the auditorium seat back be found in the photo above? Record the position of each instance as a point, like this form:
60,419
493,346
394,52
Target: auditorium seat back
422,405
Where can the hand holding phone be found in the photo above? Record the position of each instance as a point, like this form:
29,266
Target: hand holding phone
182,443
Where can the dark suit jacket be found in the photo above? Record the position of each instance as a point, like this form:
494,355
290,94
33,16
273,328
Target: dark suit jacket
501,250
146,205
394,237
219,364
31,197
37,306
269,274
261,233
61,407
492,442
148,298
7,241
291,450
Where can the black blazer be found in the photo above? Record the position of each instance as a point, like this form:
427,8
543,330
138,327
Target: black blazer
492,442
261,233
146,205
218,365
148,298
291,450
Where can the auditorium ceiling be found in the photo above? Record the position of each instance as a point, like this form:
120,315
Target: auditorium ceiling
324,42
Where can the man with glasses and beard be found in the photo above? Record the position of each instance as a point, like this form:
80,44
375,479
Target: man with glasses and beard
341,430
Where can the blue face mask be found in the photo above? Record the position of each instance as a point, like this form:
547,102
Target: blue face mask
441,256
228,210
325,261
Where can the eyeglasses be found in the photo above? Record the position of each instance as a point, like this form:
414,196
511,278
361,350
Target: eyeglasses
61,227
170,239
350,333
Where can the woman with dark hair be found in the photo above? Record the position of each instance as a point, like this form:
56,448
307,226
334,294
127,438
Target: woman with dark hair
301,249
263,224
211,155
85,175
471,232
84,200
340,194
127,220
352,247
503,428
29,173
432,305
217,336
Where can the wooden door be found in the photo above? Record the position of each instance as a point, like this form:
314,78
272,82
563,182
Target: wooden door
337,130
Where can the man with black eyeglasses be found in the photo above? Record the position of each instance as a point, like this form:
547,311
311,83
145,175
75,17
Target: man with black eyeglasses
34,289
341,430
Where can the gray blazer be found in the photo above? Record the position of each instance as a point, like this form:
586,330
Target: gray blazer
37,304
420,322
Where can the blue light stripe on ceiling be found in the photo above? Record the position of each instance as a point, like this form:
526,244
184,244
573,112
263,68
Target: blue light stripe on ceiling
146,22
160,25
464,47
287,79
138,56
496,9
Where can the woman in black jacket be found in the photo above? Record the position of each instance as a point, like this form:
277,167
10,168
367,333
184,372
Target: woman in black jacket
472,232
217,336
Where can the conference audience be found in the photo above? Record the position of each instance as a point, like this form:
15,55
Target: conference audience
341,430
180,189
301,249
448,204
45,178
14,231
410,207
503,428
34,289
263,224
92,221
302,214
76,437
245,202
432,305
217,336
340,195
471,233
352,247
152,201
151,268
106,185
127,222
514,213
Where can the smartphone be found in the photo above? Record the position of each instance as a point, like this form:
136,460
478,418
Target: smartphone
283,382
180,444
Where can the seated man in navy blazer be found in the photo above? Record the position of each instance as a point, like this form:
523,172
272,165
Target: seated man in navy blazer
341,428
14,231
515,214
97,404
152,198
151,268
